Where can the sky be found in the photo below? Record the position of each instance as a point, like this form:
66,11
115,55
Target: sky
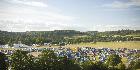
81,15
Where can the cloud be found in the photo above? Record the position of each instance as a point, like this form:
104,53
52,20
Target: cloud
114,27
36,3
117,4
29,17
123,5
135,2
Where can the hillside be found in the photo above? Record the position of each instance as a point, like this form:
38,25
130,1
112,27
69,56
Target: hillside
67,36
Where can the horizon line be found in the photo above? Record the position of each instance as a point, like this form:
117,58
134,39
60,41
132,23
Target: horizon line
70,30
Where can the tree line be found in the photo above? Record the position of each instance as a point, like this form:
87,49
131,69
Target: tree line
67,36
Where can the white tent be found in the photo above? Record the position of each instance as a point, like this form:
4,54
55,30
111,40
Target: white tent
20,46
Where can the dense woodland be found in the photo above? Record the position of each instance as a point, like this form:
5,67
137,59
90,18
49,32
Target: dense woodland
67,36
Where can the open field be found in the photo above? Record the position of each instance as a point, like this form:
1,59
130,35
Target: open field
113,45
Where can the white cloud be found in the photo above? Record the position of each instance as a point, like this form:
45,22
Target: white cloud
117,4
26,18
114,27
123,5
135,2
36,3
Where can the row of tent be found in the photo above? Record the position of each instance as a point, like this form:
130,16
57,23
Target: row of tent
15,46
84,53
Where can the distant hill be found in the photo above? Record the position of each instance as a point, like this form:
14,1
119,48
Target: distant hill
71,36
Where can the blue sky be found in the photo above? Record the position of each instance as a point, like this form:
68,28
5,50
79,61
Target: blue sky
83,15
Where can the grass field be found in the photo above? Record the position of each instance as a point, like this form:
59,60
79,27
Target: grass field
113,45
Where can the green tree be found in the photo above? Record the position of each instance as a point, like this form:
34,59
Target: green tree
94,66
10,43
121,66
22,61
134,65
3,63
68,64
113,60
137,64
47,60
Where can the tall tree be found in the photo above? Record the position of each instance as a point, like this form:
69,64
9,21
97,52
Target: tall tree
113,60
22,61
